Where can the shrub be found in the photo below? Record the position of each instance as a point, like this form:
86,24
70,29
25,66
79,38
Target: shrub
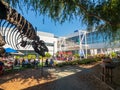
113,54
77,62
48,55
77,56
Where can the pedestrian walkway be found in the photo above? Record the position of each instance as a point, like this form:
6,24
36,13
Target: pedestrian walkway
72,78
64,78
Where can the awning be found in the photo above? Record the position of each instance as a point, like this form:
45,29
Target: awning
10,50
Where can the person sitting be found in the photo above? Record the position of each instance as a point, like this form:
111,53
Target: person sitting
15,62
108,63
106,59
1,67
23,63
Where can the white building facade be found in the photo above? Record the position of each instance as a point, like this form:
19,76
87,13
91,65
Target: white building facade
86,43
49,39
81,42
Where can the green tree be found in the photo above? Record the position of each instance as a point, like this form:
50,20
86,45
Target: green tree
31,56
113,54
101,14
48,55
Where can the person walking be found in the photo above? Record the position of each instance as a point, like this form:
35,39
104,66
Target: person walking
51,62
46,63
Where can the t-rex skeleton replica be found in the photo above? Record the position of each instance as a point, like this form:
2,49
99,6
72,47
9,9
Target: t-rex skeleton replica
21,28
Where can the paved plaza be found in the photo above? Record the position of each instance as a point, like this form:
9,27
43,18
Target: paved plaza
64,78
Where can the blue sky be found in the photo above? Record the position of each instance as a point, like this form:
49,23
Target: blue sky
50,26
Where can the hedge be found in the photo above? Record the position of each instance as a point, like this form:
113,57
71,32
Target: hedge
78,62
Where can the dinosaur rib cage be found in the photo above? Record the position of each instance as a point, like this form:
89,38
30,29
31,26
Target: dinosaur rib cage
18,31
12,35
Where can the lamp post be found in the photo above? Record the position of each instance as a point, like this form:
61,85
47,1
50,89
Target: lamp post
79,42
53,47
42,67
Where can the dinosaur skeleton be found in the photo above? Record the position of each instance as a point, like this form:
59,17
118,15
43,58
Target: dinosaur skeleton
16,25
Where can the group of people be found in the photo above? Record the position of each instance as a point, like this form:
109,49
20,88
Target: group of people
5,63
49,62
63,57
26,62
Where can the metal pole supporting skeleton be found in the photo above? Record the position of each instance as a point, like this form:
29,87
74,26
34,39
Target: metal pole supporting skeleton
23,27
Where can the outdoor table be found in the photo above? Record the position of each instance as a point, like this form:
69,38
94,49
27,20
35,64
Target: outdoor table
106,74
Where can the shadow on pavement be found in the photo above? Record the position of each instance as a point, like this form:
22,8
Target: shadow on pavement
63,78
